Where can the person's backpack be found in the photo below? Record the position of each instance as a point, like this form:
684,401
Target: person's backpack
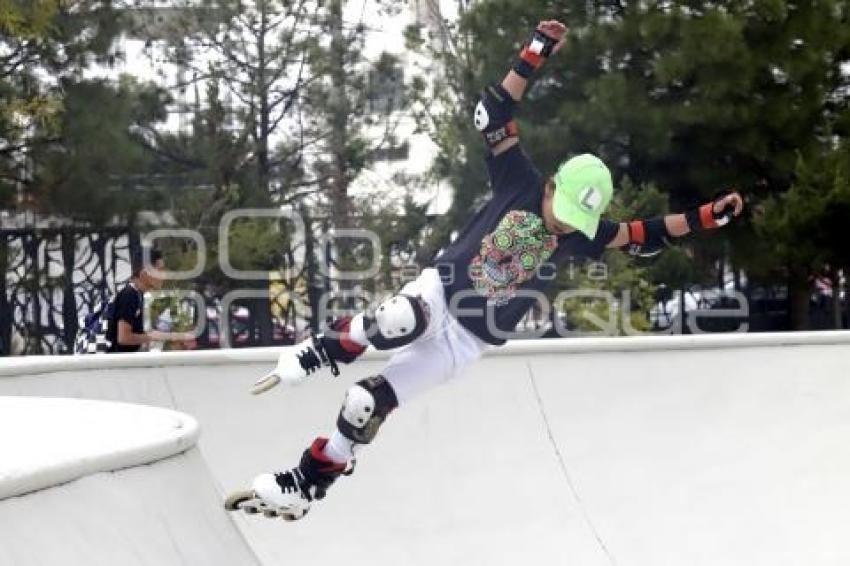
91,337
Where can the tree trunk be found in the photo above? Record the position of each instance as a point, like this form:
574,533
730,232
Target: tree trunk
33,285
260,307
835,277
845,272
721,271
5,308
69,301
263,169
340,111
316,286
798,298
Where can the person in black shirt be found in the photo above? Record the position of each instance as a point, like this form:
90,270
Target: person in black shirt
476,291
126,332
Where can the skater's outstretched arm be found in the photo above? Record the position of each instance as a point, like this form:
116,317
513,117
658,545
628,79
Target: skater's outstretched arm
530,58
494,113
647,237
127,337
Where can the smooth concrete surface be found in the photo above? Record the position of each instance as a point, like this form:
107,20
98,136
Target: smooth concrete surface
164,513
50,441
103,483
638,451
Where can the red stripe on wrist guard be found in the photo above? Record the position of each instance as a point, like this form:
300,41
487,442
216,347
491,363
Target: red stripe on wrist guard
637,232
706,216
532,58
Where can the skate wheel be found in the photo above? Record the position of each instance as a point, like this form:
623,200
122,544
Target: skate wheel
264,384
269,514
236,499
289,517
250,510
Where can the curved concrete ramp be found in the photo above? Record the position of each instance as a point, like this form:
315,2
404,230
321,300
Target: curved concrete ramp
652,451
96,483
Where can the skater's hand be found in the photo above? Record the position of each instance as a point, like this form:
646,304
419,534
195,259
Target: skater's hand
183,337
731,201
556,30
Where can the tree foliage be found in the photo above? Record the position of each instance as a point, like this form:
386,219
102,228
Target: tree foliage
44,47
692,97
94,166
256,53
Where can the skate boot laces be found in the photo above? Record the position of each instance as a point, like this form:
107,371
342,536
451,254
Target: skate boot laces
308,360
292,482
312,358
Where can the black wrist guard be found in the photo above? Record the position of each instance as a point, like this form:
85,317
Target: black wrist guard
704,218
533,53
647,237
494,115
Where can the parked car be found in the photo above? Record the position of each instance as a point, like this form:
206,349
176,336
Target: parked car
242,332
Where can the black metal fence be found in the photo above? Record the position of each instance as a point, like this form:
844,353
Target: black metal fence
50,276
55,276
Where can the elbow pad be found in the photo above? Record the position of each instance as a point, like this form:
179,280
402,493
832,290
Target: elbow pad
647,237
494,115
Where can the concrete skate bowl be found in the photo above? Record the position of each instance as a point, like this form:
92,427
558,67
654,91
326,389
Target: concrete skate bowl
649,451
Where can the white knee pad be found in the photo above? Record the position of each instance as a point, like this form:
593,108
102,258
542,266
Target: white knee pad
366,406
396,322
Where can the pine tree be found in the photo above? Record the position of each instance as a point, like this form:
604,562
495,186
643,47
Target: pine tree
693,97
356,105
256,52
44,45
91,169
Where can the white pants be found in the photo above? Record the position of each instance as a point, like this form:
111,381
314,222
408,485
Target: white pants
438,355
442,351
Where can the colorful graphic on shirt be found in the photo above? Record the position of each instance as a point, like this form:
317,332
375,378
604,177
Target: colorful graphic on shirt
510,255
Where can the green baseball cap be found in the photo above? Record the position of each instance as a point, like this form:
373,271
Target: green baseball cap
583,190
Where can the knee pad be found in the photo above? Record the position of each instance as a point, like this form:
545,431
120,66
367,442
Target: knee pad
396,322
367,403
